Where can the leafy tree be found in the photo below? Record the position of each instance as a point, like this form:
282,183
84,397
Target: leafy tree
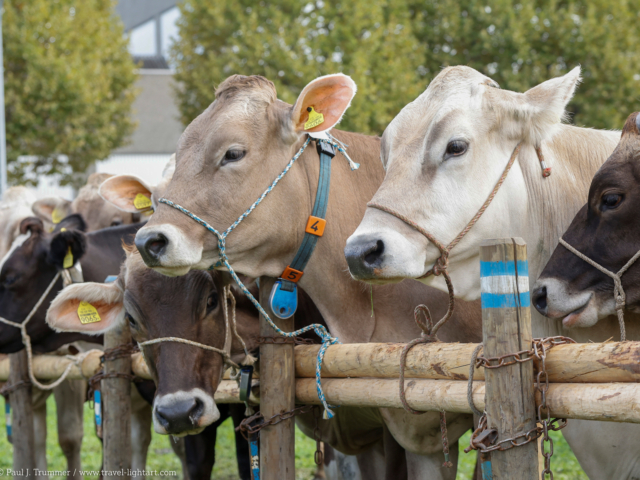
68,86
393,48
291,42
520,44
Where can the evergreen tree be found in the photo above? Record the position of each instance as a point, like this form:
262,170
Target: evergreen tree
68,85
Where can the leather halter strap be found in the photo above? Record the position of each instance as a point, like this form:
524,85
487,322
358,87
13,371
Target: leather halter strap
315,226
618,292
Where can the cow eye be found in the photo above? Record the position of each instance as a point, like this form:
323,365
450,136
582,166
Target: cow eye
232,155
212,301
9,280
115,223
131,320
456,148
611,201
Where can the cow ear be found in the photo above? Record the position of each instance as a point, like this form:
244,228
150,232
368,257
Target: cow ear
322,103
127,193
533,115
72,222
65,243
91,308
31,224
51,209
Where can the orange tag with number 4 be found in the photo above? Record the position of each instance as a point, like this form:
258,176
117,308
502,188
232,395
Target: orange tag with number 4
292,274
315,226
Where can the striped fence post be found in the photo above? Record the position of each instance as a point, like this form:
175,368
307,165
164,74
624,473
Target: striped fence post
506,328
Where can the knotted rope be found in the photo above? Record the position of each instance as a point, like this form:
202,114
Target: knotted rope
618,292
26,339
223,261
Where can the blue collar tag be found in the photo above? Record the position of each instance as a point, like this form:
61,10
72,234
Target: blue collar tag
283,304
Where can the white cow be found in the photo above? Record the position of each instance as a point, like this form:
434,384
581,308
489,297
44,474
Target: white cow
444,153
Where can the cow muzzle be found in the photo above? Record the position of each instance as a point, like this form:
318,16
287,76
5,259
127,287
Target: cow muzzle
167,249
184,413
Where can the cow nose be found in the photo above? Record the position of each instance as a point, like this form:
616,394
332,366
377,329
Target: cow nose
364,256
179,417
540,299
151,246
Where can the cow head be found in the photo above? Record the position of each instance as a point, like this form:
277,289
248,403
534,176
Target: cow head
25,273
443,155
155,306
607,231
15,207
226,159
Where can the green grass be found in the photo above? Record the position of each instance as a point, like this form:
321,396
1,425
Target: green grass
161,457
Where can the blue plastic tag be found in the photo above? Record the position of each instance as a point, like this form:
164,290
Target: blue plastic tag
111,279
283,304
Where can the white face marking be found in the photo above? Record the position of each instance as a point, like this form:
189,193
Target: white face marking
17,243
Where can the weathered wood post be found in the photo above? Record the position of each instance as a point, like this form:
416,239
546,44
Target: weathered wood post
277,394
506,328
24,459
116,404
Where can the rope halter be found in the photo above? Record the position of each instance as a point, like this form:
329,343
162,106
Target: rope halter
229,330
26,339
618,292
223,261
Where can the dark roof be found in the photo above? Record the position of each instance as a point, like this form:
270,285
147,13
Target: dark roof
151,62
136,12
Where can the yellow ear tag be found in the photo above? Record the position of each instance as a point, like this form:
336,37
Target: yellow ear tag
56,215
68,259
314,119
87,313
141,202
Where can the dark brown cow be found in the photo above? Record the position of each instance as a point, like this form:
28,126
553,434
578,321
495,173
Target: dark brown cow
607,231
186,307
29,269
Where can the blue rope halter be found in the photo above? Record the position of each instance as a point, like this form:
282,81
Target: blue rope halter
320,330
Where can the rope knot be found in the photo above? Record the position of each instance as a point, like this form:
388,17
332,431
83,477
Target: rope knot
441,265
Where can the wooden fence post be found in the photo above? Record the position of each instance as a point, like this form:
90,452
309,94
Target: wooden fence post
116,404
24,459
506,321
277,394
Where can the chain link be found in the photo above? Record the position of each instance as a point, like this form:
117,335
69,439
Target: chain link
7,389
483,437
285,341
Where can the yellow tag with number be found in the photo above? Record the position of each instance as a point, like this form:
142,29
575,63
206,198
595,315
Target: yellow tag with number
87,313
141,202
315,119
68,259
57,215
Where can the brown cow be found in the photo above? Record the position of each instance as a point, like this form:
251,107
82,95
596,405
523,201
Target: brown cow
607,231
94,210
226,159
187,307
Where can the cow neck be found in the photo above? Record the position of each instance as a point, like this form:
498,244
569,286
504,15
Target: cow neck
344,303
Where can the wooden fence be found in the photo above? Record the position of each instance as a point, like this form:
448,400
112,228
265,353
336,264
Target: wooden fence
597,381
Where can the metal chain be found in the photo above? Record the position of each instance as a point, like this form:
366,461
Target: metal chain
246,429
483,437
285,341
109,355
7,389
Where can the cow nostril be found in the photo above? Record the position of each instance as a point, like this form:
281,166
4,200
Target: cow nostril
156,245
540,299
373,255
196,411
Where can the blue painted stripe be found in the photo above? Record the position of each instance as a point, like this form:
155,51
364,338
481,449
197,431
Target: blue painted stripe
491,269
487,471
493,300
255,458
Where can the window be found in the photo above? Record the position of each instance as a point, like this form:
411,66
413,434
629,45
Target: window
142,40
